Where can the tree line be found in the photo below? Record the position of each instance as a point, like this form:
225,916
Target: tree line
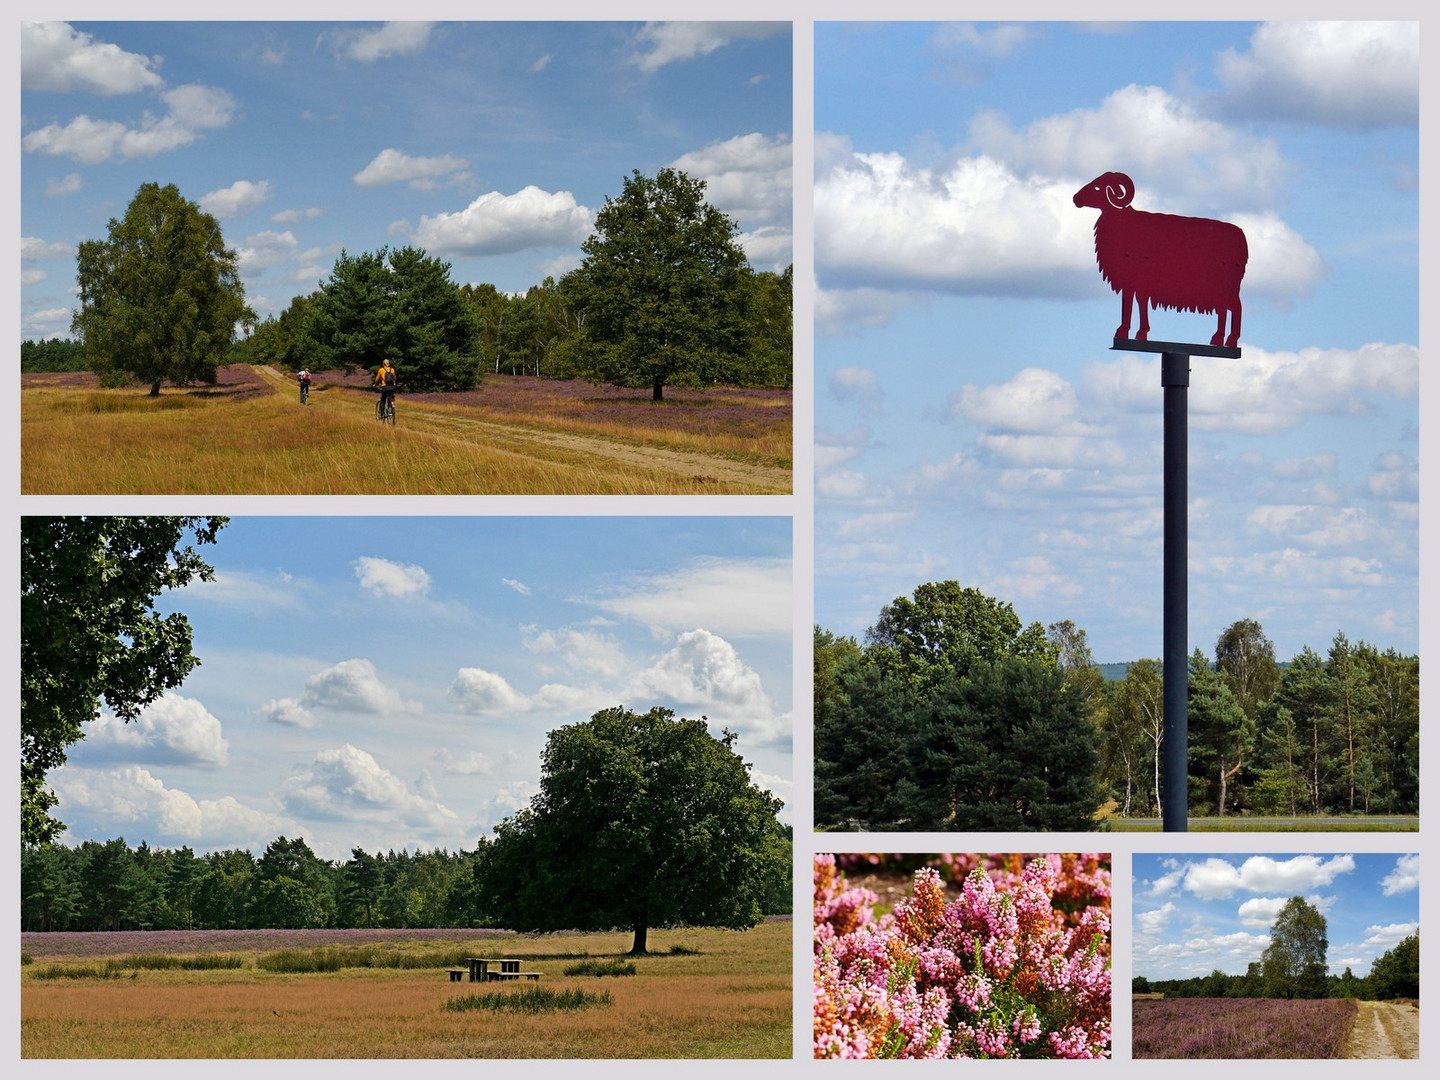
663,297
110,885
952,714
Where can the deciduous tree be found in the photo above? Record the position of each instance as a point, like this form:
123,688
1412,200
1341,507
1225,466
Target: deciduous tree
89,631
643,820
1293,964
161,296
664,288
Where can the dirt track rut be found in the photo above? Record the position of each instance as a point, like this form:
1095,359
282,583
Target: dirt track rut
705,468
1385,1030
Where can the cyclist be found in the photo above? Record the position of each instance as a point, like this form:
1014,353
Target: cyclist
386,379
304,378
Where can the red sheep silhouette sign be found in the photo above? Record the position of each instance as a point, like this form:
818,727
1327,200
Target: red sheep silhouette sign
1164,260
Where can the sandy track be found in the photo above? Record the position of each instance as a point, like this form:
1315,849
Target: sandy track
1385,1029
705,468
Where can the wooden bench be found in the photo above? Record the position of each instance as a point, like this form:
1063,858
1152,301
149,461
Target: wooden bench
456,974
488,970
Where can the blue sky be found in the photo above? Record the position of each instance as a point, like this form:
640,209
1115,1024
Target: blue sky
490,145
389,682
1193,914
972,421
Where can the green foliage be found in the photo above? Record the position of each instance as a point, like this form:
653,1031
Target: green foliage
600,968
943,630
642,820
530,999
1008,749
1396,974
90,631
160,298
664,289
53,354
1222,736
1293,964
400,304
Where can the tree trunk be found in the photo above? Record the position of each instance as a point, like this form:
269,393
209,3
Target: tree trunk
155,388
659,394
638,949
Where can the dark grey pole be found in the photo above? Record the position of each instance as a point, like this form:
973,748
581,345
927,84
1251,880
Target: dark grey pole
1175,378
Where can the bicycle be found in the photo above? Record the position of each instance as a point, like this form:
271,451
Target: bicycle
304,393
385,412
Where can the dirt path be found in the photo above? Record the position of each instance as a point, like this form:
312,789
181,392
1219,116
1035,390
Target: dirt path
1384,1029
706,468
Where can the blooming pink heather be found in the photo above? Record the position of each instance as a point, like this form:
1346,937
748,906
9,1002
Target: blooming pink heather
1017,967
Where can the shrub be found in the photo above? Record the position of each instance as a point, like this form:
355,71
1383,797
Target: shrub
1004,971
600,967
532,999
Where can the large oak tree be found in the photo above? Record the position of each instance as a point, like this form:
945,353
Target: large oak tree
643,820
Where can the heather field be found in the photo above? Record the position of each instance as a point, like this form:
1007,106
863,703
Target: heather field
248,434
1240,1028
385,994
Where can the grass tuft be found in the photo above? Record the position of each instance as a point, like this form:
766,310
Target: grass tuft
600,968
531,999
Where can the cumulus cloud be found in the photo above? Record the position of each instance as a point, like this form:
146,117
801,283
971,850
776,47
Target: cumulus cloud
33,249
1347,74
1155,921
55,56
748,177
704,672
268,248
661,43
471,764
353,686
68,184
239,198
1404,878
296,216
1217,878
348,784
132,795
482,692
496,224
193,109
401,581
392,39
289,712
173,730
392,166
587,650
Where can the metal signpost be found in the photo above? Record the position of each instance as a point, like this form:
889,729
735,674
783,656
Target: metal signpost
1191,264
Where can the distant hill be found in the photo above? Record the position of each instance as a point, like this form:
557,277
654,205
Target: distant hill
1114,672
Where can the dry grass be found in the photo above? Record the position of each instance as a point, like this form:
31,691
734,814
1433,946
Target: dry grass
252,439
733,999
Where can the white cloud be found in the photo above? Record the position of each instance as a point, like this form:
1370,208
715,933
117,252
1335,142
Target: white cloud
133,796
661,43
64,185
586,650
172,730
296,216
747,177
496,224
1348,74
392,166
348,784
391,579
193,109
703,672
1217,878
1404,878
1155,921
33,249
471,764
56,57
289,712
392,39
354,686
732,597
519,586
853,383
482,692
1381,939
239,198
1258,913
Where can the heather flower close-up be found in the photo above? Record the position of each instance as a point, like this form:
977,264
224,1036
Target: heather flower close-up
1016,966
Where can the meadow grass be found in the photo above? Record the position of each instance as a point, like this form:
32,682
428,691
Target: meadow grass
189,441
529,999
728,995
1243,823
599,968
